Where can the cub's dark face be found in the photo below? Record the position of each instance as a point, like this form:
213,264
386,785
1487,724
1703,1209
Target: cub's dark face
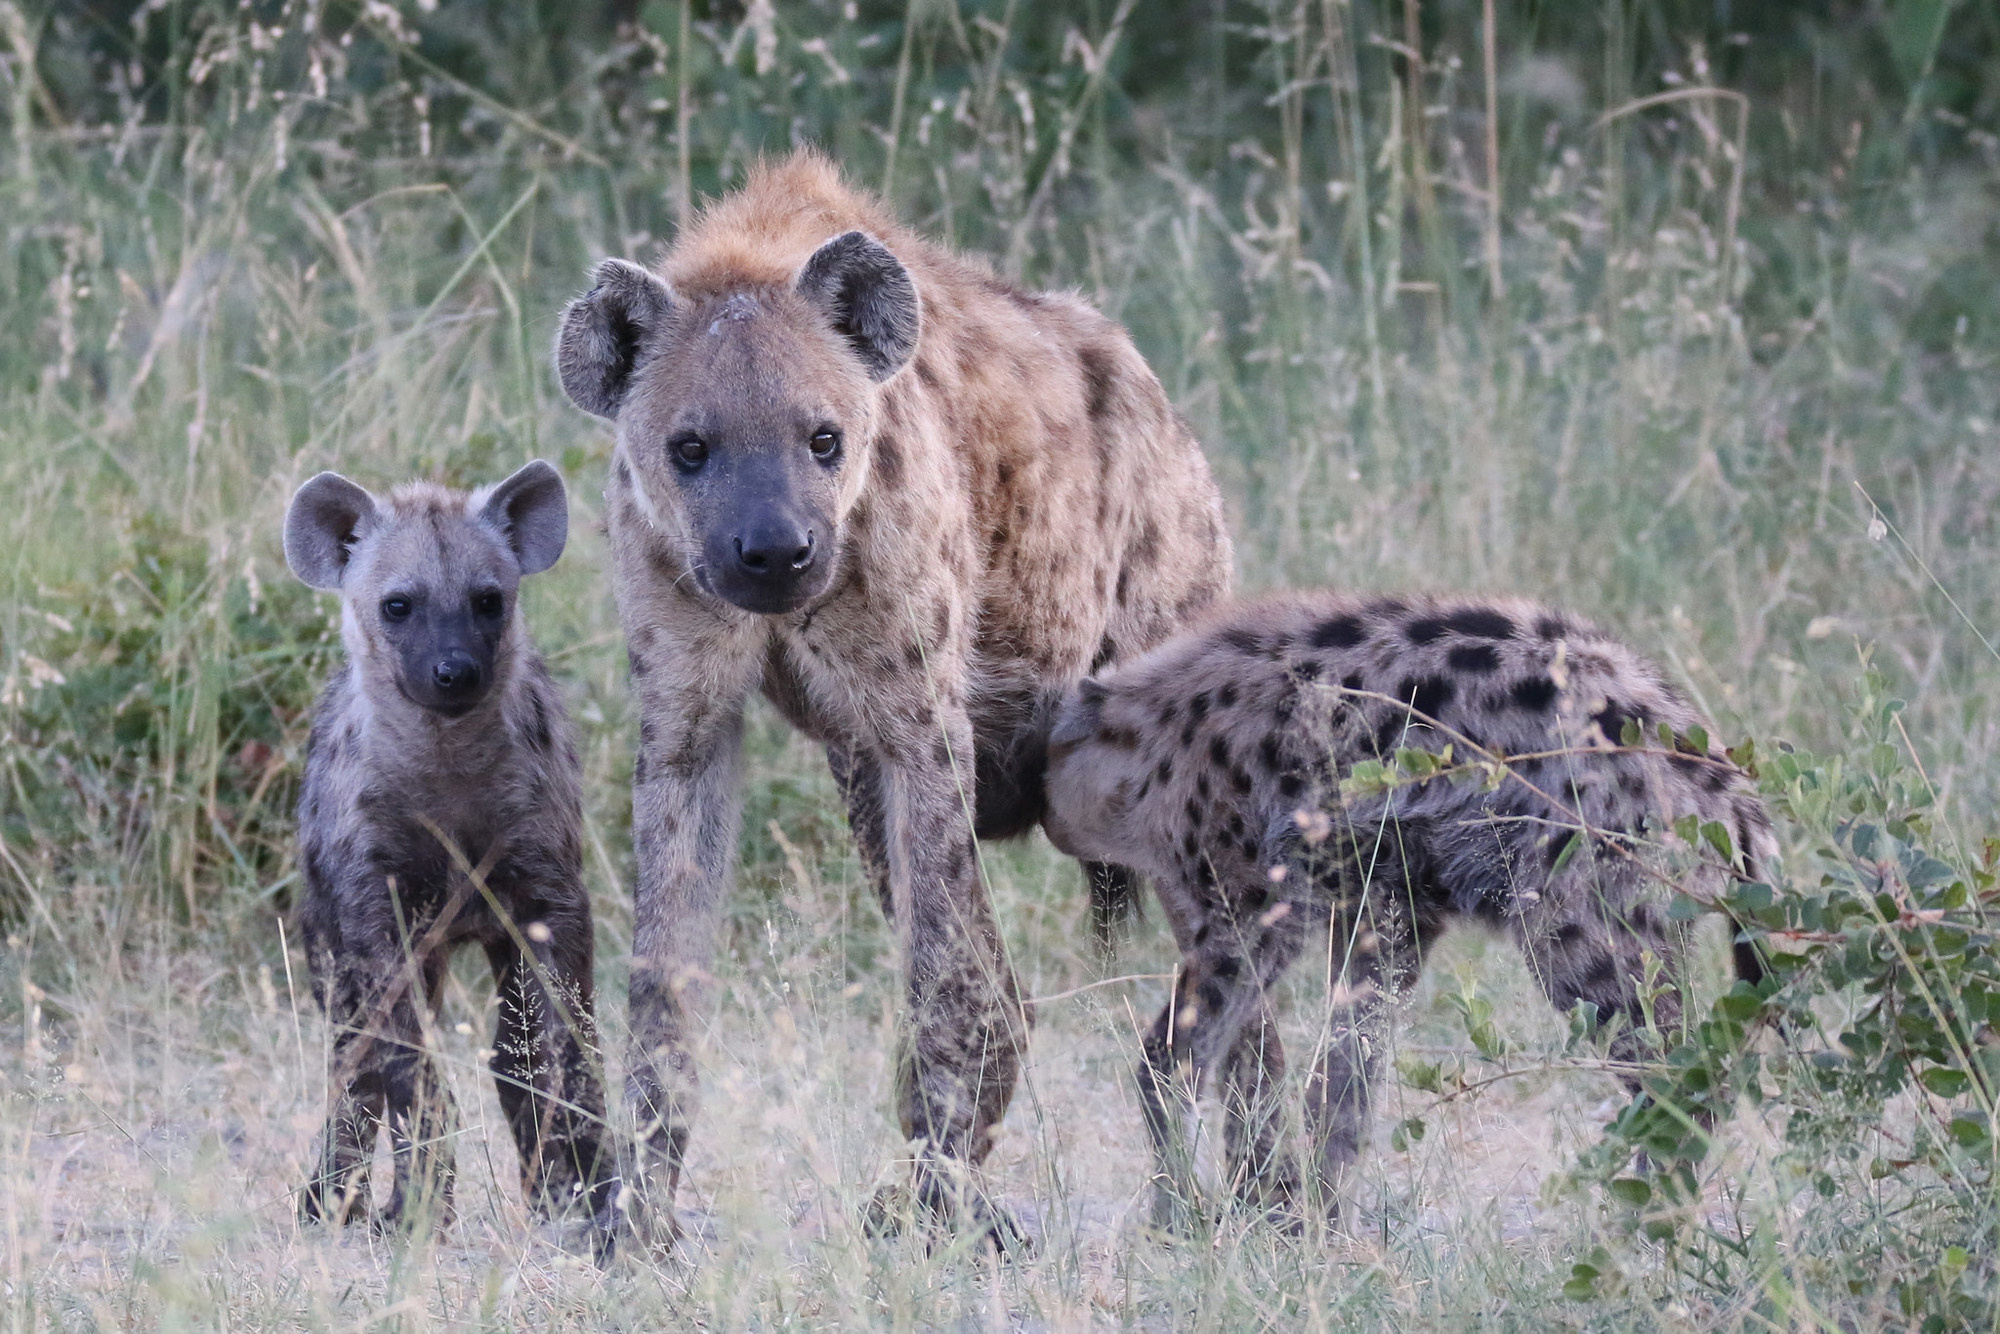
747,419
428,577
745,438
432,602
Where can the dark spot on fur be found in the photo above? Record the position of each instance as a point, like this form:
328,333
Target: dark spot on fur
1632,785
1204,874
1226,697
1124,586
1611,720
1480,623
1107,653
1164,771
1004,473
1427,695
940,754
926,374
1307,670
1552,627
1353,681
1146,548
1167,712
1270,754
1187,733
1284,707
538,731
1120,738
1201,786
639,769
1218,752
1254,898
1240,781
1714,777
1476,658
1424,629
1338,632
1193,809
1243,641
1599,975
1290,785
1389,735
1198,706
1569,933
1534,693
1190,844
638,664
1100,379
1226,967
889,459
1235,825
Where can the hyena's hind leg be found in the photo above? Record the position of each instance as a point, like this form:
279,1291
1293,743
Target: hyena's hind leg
1219,1020
1595,936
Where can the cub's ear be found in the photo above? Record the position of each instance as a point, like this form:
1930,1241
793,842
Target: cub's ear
532,509
1077,720
609,332
326,517
870,297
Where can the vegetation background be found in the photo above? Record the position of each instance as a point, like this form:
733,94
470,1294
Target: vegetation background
1683,313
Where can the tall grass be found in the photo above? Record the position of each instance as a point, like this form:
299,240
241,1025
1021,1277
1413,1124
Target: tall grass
1451,303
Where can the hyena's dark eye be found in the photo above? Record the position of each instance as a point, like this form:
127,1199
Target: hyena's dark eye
395,609
689,451
825,443
488,604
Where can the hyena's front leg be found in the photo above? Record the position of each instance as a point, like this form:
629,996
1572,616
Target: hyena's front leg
545,1070
686,806
337,1189
417,1107
966,1029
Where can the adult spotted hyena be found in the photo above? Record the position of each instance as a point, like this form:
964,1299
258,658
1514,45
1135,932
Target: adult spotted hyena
911,503
1215,763
442,807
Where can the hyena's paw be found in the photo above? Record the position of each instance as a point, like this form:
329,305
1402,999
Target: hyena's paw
939,1213
324,1201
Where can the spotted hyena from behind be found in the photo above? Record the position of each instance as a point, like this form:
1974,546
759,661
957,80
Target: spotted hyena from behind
442,807
1215,765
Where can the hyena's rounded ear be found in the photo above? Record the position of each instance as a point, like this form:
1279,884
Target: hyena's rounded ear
532,509
609,332
869,295
327,516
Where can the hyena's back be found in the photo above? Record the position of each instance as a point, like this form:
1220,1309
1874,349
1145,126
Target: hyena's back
1216,764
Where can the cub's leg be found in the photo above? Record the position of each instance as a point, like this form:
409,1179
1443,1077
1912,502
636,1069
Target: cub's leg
1376,943
547,1078
1593,937
418,1109
337,1190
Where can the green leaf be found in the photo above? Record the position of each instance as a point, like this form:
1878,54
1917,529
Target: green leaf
1945,1081
1408,1131
1630,735
1716,835
1568,851
1631,1191
1582,1283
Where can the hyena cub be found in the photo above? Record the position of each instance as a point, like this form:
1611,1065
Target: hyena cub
442,806
1215,765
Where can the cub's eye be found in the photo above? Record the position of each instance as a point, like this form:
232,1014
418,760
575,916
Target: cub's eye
488,604
396,609
689,451
825,443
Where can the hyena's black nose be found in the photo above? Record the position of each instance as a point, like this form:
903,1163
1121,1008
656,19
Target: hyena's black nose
775,550
456,674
